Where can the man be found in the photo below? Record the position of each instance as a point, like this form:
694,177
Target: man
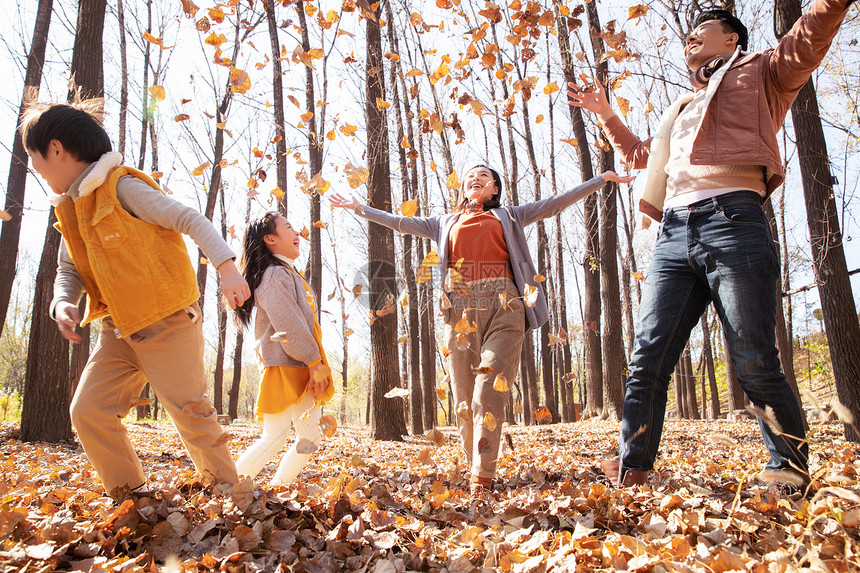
713,161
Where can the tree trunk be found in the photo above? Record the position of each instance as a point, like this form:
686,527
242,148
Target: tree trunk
387,422
314,163
146,110
737,399
708,356
680,395
10,232
613,346
831,271
45,409
233,398
591,328
278,96
123,86
690,384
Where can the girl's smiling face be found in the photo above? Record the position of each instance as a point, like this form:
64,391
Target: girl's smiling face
479,185
285,240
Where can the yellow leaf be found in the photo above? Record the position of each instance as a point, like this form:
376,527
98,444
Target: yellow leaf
463,326
442,394
490,421
623,105
501,383
409,208
279,196
404,142
414,72
539,278
152,39
305,234
5,216
157,92
306,117
356,176
392,57
452,182
216,40
348,130
330,135
571,141
649,107
382,104
320,225
156,175
204,261
539,118
430,259
200,169
550,88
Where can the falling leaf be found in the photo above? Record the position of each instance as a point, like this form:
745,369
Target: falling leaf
404,298
189,7
539,278
550,88
570,141
157,92
425,456
181,117
156,175
623,105
452,182
463,411
382,104
239,81
409,208
483,370
305,233
214,39
396,392
639,276
200,169
320,225
542,415
435,436
592,325
442,393
490,421
501,383
463,325
560,338
414,72
530,296
305,446
328,425
636,11
280,337
539,118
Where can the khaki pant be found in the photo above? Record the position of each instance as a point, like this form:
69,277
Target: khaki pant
168,355
495,344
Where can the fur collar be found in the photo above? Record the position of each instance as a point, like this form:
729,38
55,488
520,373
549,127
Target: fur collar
99,173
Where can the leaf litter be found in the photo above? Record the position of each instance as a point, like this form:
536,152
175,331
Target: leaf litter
364,505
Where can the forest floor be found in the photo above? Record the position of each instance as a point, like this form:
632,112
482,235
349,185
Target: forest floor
364,505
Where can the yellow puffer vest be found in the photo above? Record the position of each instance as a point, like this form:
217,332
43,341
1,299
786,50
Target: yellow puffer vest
134,271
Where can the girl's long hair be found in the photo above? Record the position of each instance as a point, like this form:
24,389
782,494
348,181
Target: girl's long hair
254,260
492,202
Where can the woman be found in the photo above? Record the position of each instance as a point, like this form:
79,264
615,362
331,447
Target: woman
487,272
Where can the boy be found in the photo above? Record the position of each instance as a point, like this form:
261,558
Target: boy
122,244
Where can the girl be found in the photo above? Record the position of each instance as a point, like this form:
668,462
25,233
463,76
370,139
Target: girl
487,271
296,377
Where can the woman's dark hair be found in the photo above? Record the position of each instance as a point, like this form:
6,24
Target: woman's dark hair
730,23
492,202
77,127
255,259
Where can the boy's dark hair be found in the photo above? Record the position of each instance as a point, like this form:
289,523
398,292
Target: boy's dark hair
729,21
492,202
75,126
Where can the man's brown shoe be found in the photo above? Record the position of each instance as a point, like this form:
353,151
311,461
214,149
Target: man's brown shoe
612,470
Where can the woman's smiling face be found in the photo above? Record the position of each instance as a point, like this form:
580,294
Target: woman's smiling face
479,185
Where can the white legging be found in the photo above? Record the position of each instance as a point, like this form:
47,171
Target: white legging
276,431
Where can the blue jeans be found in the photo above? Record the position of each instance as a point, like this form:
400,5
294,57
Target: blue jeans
718,250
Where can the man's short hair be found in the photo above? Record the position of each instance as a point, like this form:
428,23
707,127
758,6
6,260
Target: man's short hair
80,132
730,23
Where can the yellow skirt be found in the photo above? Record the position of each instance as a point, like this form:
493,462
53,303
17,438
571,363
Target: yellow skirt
282,387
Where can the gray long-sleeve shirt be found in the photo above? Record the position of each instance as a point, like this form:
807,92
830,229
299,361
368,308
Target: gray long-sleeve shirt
513,219
152,206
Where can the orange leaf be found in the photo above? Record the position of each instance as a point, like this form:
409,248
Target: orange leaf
189,7
550,88
239,81
409,208
348,130
320,225
200,169
216,40
181,117
570,141
157,92
542,415
382,104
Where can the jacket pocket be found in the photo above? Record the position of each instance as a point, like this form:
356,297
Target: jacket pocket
109,227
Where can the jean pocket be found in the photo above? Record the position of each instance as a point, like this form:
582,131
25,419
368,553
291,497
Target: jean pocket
744,214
